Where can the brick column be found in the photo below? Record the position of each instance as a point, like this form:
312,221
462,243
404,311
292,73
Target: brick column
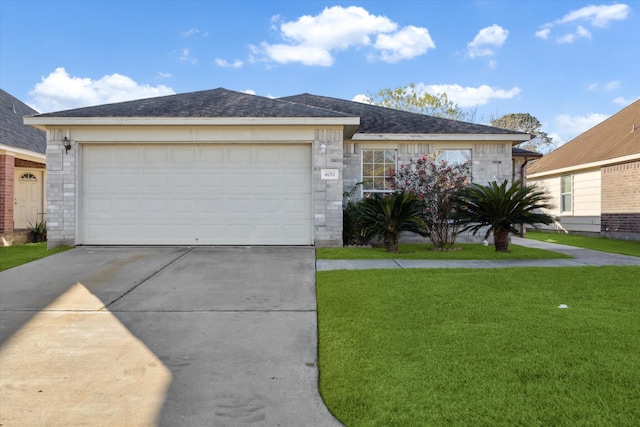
6,193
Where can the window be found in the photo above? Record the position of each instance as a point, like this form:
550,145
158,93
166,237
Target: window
454,156
566,190
377,165
28,177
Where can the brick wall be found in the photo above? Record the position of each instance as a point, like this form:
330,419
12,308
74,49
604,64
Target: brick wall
28,164
6,193
620,202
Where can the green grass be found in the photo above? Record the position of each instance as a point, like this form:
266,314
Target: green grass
481,347
13,256
625,247
423,251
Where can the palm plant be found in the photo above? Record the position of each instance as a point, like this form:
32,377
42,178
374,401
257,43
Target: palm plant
501,207
386,216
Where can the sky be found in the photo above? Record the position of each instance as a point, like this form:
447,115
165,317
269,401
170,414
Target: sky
571,64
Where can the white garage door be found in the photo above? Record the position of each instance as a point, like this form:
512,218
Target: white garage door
196,194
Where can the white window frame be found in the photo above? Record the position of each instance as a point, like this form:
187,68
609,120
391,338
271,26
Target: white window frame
445,154
563,204
366,191
469,158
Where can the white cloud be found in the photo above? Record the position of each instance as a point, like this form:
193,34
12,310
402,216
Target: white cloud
60,91
580,32
568,127
492,65
226,64
405,44
361,98
612,85
164,75
487,41
190,32
620,100
312,40
597,16
185,56
249,91
470,96
543,33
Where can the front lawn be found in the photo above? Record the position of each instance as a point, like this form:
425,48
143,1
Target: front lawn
470,251
625,247
13,256
481,347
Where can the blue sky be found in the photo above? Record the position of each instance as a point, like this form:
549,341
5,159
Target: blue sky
569,63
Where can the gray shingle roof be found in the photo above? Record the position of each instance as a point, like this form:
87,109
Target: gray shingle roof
209,103
380,120
521,152
13,132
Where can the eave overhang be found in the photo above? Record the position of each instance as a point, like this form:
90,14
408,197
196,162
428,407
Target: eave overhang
583,166
23,154
513,138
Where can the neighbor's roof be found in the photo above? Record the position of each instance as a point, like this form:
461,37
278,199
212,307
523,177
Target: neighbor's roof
215,103
13,132
381,120
614,138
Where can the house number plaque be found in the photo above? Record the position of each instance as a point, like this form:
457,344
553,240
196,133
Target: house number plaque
329,173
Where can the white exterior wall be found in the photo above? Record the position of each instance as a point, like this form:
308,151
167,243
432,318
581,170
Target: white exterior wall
586,201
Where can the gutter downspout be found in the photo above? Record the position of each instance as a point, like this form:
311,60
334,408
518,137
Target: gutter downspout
522,180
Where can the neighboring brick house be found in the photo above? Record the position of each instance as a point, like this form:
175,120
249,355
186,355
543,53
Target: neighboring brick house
22,170
223,167
594,179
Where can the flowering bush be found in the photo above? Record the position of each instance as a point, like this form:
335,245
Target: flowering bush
437,184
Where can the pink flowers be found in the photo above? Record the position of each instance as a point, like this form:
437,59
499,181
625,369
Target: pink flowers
437,185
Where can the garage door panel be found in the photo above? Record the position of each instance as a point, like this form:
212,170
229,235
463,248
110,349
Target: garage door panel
197,194
209,156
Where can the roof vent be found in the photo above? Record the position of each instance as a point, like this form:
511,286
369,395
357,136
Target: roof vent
16,113
633,127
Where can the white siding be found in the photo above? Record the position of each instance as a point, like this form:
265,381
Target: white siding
585,213
586,193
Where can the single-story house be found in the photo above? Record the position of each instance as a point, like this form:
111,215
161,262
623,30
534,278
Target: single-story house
22,171
220,167
594,179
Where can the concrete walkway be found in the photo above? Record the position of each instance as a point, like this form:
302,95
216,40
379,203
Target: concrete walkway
581,257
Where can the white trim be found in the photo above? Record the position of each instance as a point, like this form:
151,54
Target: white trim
515,138
591,165
362,150
23,154
44,122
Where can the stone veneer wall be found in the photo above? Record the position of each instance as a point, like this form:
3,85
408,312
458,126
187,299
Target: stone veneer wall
327,194
491,162
620,201
61,189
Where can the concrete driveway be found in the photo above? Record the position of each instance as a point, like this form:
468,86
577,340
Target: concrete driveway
161,336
